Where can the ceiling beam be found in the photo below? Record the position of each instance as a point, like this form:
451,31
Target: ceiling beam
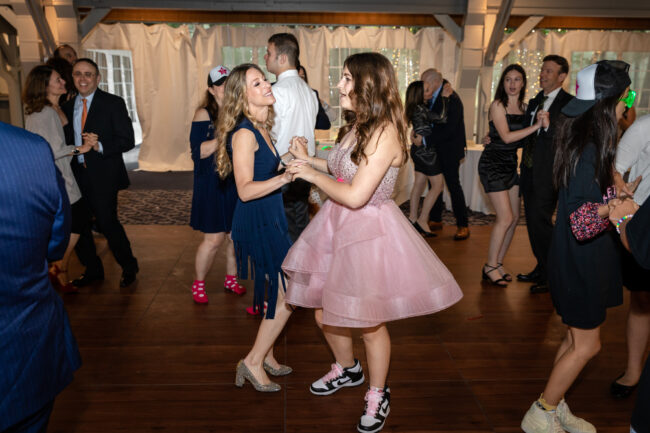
448,23
496,37
42,26
93,18
515,37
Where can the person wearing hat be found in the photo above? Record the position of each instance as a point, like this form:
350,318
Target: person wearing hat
584,252
213,199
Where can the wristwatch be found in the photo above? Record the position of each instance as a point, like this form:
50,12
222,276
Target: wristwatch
76,152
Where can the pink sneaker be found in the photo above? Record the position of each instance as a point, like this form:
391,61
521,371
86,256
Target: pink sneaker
232,285
198,292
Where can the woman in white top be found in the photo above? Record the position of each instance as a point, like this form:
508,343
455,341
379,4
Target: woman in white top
44,117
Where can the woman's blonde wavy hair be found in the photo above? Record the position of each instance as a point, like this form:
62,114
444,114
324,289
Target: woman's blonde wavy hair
234,109
376,102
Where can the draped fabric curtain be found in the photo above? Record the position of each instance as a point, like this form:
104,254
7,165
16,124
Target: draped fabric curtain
170,69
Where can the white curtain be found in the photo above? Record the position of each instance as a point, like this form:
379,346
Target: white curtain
170,69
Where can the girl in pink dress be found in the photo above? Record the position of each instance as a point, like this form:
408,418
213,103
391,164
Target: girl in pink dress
360,263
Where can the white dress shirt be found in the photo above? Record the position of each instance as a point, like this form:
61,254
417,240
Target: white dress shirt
296,107
547,104
633,153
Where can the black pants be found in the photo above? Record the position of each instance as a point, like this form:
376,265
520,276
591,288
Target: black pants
35,423
103,205
450,172
540,200
295,196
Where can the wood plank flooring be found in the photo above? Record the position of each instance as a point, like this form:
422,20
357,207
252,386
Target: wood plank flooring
155,362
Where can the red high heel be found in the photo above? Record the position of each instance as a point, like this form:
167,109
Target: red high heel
231,284
253,311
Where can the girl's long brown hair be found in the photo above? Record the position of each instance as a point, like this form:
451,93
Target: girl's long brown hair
376,102
235,108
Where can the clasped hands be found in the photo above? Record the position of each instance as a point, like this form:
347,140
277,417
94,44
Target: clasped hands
90,140
624,205
299,167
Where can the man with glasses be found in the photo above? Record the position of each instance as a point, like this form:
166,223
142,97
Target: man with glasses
101,119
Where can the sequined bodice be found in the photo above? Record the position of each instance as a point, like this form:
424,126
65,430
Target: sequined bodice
341,166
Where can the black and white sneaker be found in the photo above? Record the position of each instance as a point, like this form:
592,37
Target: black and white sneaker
337,378
376,411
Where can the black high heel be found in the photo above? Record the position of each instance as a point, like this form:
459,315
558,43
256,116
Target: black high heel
501,282
505,276
423,232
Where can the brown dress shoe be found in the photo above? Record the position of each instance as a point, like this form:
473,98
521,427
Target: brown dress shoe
435,226
461,234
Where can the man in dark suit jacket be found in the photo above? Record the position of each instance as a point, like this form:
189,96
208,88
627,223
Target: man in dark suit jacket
449,141
101,119
536,183
38,353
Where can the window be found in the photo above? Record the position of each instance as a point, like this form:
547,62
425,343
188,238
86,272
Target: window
116,70
233,56
582,59
406,63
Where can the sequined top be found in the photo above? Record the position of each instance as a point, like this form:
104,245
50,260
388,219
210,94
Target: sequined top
341,166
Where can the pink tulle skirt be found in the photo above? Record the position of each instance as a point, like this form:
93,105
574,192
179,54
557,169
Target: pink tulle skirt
366,266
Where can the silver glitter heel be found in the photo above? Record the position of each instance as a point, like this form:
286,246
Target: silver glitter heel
243,374
283,370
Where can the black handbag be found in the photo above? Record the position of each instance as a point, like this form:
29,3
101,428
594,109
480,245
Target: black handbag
424,156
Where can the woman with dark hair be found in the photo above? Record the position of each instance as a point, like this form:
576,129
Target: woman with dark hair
43,89
213,199
497,167
584,254
259,231
360,263
420,117
64,69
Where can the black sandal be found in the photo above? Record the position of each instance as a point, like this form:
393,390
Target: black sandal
505,276
501,282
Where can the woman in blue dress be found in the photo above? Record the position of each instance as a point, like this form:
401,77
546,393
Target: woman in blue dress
259,229
213,199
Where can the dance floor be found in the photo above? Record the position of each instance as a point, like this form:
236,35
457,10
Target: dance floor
153,361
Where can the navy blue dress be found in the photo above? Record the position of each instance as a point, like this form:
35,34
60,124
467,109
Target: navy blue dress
259,231
213,199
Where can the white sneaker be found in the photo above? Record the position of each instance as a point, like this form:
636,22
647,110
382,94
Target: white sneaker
538,420
572,423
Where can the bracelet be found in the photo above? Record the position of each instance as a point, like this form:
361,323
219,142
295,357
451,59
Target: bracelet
619,222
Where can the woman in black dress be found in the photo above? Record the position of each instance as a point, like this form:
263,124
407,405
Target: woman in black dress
584,254
497,167
419,116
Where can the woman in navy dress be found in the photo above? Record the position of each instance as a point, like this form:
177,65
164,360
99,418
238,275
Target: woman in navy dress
213,199
497,167
584,253
259,231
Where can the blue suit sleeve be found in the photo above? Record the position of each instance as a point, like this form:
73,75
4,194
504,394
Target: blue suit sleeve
60,234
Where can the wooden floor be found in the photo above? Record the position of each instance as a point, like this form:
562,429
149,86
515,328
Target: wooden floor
155,362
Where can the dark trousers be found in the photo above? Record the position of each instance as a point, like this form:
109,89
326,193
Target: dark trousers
540,200
295,197
103,205
450,172
35,423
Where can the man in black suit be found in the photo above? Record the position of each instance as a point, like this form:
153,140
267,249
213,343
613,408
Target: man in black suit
101,119
536,183
449,141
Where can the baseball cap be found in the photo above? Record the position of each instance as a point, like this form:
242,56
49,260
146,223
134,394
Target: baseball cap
218,75
601,80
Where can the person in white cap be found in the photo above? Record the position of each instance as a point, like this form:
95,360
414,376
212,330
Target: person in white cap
584,253
213,199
